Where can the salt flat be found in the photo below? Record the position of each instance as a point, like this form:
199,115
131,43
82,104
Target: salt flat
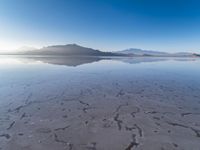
99,104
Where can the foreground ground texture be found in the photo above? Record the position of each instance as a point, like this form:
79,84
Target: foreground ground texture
94,110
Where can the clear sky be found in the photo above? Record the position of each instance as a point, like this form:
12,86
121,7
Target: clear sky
108,25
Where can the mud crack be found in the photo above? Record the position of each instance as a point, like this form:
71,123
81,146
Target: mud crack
119,122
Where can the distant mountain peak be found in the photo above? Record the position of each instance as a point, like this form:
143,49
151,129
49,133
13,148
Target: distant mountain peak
140,52
69,50
137,51
74,44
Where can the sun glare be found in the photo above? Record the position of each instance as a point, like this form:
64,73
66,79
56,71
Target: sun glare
8,46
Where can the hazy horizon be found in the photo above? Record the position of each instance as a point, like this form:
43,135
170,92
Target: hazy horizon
31,48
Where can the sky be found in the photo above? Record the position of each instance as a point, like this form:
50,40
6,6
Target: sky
108,25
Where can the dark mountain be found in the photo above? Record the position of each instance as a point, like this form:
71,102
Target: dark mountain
197,55
69,50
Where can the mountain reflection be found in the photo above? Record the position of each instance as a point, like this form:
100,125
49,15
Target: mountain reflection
77,61
67,61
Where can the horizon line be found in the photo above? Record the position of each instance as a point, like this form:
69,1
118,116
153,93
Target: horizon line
23,48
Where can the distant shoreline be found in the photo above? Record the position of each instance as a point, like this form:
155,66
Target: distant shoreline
74,50
125,56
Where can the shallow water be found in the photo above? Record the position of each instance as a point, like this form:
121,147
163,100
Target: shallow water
92,103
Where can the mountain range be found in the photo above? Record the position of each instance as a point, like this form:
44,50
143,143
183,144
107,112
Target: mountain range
77,50
68,50
140,52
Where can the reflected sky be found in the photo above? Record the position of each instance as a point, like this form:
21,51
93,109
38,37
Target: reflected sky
76,61
49,74
38,66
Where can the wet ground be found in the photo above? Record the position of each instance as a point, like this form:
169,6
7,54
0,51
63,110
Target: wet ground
99,104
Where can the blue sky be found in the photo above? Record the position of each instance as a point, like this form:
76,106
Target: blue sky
109,25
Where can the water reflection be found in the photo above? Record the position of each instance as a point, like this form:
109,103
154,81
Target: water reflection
76,61
67,61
